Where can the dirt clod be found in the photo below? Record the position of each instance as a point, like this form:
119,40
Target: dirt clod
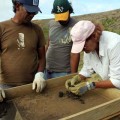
72,96
61,94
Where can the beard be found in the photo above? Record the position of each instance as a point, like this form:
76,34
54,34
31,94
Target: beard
28,19
64,23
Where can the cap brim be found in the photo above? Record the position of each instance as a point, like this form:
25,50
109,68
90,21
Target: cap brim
62,16
32,8
77,47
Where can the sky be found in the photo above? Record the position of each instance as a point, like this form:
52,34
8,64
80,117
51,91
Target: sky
80,7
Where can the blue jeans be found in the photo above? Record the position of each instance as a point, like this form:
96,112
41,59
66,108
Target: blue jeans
50,75
5,86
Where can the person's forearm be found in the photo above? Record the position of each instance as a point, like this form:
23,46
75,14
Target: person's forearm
46,48
104,84
74,61
41,67
82,77
42,60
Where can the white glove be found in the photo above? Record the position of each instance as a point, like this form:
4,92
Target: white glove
2,94
39,82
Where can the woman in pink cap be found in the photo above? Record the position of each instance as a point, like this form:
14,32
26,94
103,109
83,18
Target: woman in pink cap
101,55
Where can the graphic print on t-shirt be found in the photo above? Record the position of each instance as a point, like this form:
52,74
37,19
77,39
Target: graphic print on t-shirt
20,41
67,38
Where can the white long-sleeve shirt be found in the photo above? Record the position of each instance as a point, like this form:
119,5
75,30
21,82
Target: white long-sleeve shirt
107,64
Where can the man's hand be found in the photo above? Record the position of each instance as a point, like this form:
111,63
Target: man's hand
39,82
82,88
71,82
2,94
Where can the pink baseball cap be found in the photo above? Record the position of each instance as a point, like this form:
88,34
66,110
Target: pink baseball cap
79,33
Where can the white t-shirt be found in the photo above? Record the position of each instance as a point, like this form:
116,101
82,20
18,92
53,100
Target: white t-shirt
107,64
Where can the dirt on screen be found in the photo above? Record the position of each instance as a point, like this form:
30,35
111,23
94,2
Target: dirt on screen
50,106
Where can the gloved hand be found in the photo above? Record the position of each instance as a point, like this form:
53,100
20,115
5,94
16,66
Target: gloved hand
71,82
39,82
2,94
82,88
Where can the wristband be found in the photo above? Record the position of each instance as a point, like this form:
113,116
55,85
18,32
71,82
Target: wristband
90,85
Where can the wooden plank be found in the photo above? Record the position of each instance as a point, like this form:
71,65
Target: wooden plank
18,116
111,116
97,112
18,91
14,92
111,93
53,107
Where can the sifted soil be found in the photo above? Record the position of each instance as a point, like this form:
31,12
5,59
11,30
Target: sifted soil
50,106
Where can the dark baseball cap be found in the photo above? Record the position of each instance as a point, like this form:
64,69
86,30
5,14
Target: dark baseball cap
61,9
30,5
